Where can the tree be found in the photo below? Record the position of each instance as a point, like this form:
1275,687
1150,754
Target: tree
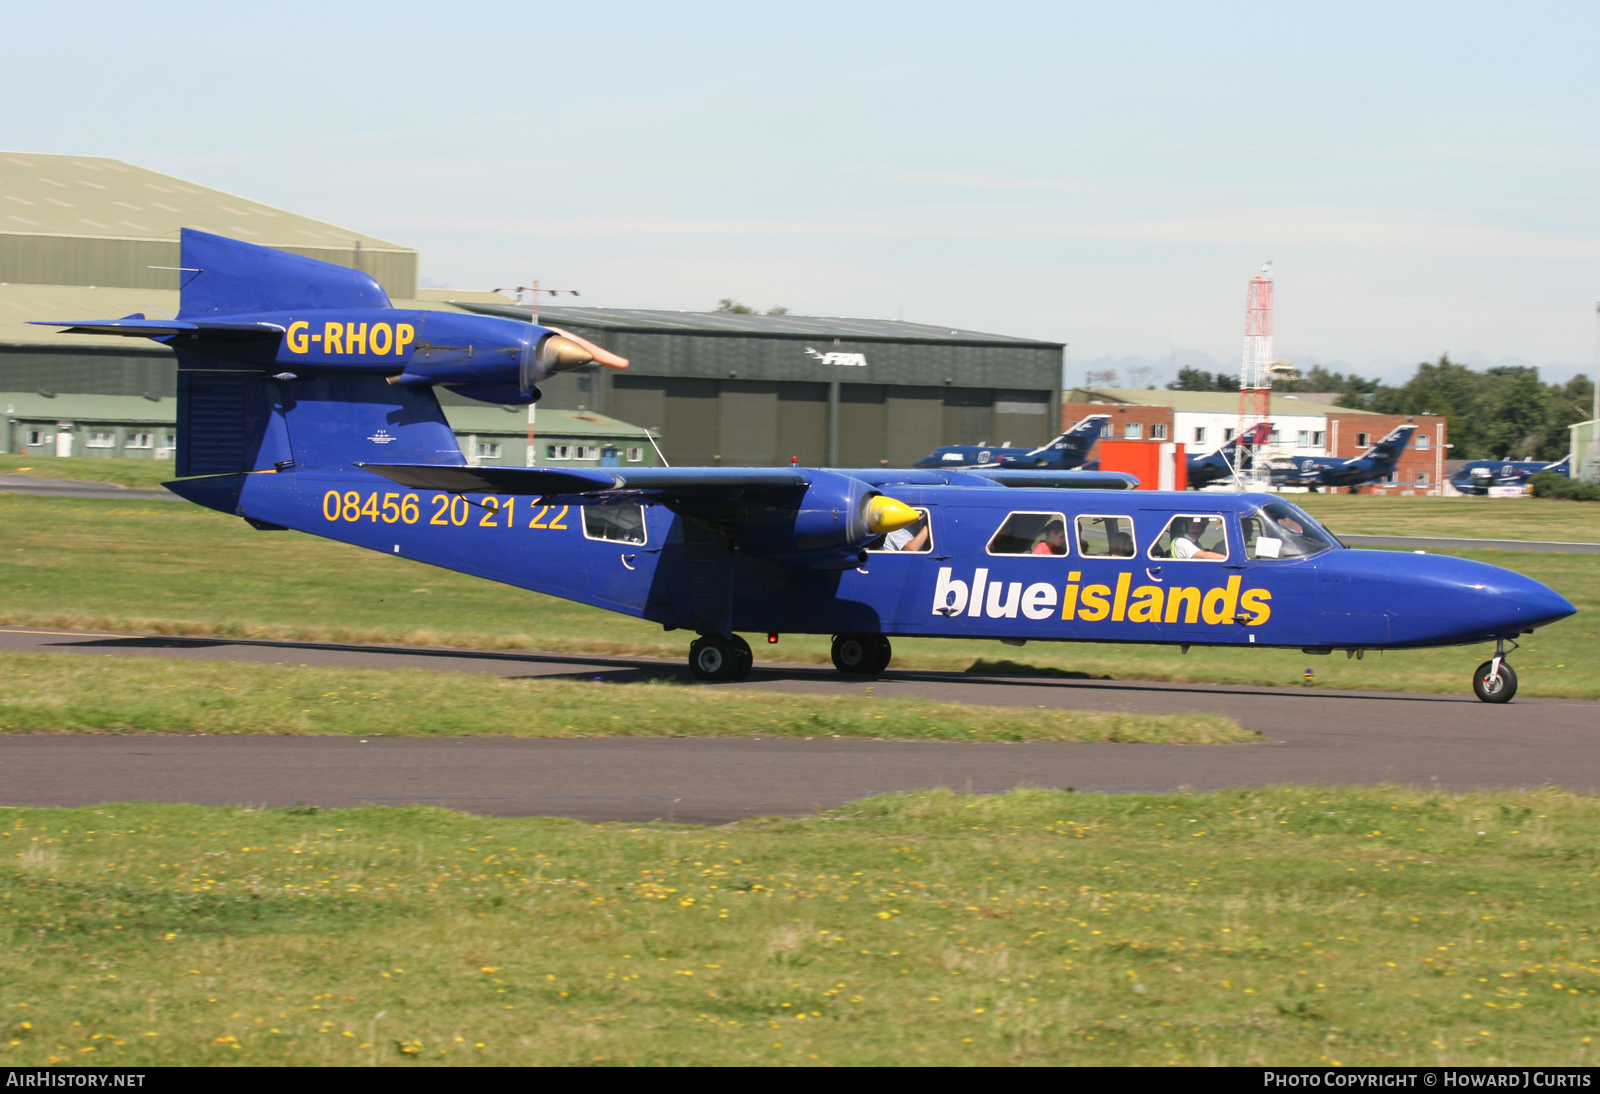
729,306
1194,379
1520,413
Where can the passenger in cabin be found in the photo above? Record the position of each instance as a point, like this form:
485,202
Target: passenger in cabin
1187,545
1053,541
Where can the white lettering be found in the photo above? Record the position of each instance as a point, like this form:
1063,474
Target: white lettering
949,597
846,360
975,605
1039,602
1008,610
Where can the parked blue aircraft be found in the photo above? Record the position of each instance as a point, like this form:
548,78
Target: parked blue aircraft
1330,471
306,401
1479,475
1062,454
1235,455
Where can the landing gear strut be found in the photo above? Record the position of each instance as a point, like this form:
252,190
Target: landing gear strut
1495,682
861,654
712,657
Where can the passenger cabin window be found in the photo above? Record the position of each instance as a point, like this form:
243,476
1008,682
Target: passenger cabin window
1281,530
1031,534
1192,536
617,523
914,538
1105,537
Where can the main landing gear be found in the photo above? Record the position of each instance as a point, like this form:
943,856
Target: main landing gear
712,657
1495,682
861,654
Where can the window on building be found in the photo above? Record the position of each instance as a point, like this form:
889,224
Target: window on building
1276,438
1199,434
1363,440
1422,478
586,452
101,440
139,440
617,523
1319,438
1031,534
635,455
36,436
1133,431
487,450
558,452
1227,434
1105,537
1422,440
915,537
1303,438
1158,431
1197,536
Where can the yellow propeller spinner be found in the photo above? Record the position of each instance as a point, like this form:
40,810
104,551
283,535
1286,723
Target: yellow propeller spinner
886,514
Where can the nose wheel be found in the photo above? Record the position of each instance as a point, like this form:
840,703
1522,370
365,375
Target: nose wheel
861,654
1495,681
717,659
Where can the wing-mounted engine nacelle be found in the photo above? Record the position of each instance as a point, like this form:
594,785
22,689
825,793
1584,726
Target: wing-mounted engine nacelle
829,529
495,360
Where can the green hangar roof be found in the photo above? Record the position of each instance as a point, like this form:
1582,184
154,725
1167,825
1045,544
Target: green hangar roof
89,220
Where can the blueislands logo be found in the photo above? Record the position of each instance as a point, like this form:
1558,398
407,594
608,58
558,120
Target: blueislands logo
1124,602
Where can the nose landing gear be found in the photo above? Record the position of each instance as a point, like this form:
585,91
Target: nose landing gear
720,660
1494,681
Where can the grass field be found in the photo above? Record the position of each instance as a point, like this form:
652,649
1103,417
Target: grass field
68,693
1285,926
144,474
159,567
1467,518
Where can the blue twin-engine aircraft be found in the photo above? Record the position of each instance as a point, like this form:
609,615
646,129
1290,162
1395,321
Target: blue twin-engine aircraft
1480,476
1229,458
306,401
1062,454
1331,471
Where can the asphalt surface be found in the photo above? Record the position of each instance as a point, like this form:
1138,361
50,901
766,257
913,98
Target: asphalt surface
74,488
1316,735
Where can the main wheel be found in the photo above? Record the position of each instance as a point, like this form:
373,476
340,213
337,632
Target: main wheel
744,657
712,657
1494,689
861,654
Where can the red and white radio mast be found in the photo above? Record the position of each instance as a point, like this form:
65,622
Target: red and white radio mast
1255,372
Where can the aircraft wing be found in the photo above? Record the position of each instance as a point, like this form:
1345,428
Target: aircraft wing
137,326
1059,480
551,481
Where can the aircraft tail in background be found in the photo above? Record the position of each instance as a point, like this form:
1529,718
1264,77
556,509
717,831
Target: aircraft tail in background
1388,450
1068,450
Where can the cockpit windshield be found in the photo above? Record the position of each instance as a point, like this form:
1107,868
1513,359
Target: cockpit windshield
1281,530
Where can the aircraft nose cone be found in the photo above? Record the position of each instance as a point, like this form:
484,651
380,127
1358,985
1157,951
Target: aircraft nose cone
1515,602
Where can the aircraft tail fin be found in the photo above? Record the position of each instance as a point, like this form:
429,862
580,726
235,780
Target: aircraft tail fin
221,275
1563,466
1075,443
1391,446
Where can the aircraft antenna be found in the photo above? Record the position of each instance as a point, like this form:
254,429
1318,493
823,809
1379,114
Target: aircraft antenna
1255,377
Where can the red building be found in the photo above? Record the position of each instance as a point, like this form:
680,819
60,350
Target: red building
1421,466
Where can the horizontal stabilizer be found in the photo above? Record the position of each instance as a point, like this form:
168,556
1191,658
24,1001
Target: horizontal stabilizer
548,481
137,326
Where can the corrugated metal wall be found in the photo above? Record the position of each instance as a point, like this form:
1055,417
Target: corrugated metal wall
125,263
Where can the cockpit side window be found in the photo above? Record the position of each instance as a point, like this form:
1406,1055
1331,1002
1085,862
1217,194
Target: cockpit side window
914,538
1198,537
1280,530
1031,534
617,523
1106,537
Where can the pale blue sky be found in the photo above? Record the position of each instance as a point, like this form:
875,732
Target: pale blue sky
1424,176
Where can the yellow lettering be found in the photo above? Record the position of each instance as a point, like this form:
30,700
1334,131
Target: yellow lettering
355,337
404,335
1119,607
1095,605
1188,600
1220,605
1254,601
332,333
1069,602
296,336
1146,606
382,338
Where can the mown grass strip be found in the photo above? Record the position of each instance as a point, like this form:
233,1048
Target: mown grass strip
73,693
1292,925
